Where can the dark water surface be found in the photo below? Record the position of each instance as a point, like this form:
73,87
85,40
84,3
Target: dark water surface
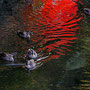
61,31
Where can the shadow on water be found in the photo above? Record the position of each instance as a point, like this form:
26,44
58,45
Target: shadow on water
61,30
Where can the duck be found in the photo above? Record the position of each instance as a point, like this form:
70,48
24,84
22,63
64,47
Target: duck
87,11
31,54
30,64
24,34
7,57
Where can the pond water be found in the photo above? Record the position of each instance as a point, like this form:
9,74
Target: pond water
61,31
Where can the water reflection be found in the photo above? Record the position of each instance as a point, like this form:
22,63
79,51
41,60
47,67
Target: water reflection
55,26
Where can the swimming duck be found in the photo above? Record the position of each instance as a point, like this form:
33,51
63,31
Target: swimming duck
24,34
87,11
7,57
30,64
31,54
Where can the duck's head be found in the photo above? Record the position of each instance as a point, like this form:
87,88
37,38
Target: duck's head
32,53
2,54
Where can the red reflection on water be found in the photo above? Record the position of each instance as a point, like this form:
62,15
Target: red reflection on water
57,21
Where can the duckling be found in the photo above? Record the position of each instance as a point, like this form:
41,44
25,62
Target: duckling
31,54
25,35
87,11
7,57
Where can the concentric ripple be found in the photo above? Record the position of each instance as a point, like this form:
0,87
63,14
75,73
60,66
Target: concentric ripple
55,25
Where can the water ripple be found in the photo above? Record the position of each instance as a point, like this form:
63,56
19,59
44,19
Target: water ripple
55,26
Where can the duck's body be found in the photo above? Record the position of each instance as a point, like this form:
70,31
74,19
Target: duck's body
31,54
24,34
7,57
30,64
87,11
